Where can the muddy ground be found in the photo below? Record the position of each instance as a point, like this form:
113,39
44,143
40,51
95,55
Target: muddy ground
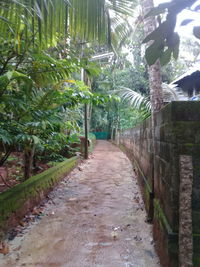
94,218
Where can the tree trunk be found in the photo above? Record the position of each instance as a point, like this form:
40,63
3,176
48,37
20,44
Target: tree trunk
90,108
155,82
112,133
154,71
5,156
28,161
156,93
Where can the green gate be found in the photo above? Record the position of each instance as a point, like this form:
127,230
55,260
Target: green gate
101,135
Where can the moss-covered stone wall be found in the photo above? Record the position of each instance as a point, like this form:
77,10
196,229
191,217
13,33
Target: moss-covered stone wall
177,132
15,202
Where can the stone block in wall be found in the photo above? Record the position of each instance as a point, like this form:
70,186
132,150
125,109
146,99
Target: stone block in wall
163,150
185,111
186,132
163,116
165,133
178,111
178,132
165,191
193,150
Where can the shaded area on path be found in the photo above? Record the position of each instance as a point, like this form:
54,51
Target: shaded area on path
97,218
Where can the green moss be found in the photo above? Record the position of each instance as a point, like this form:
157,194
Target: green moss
196,260
160,216
196,251
185,132
147,194
17,197
172,238
196,221
189,144
147,185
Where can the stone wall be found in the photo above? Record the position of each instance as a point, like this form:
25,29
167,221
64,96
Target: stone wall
177,133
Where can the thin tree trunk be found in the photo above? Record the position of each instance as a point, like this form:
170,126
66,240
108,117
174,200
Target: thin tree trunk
89,115
5,156
156,93
112,135
28,161
155,82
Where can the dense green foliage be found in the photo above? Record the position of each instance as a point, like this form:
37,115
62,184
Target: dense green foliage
115,79
41,98
40,109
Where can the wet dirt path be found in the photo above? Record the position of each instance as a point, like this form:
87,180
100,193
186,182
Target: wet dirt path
95,219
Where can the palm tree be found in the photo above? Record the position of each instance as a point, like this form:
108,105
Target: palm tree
156,95
154,70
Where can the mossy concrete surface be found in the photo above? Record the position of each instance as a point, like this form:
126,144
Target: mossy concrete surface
15,202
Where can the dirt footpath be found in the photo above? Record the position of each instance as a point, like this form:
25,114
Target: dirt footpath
96,218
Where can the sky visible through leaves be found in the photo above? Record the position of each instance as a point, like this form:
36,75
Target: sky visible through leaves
186,14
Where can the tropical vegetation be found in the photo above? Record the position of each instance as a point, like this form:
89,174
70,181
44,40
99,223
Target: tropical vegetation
44,48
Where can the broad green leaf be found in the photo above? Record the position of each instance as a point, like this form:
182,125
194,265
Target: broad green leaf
165,57
159,33
153,52
173,40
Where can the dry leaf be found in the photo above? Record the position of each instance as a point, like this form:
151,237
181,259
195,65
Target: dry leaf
4,248
22,223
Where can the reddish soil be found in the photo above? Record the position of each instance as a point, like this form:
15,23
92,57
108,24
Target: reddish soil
95,218
12,171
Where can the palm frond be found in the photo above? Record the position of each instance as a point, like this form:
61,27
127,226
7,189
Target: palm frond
44,22
36,20
169,93
135,99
